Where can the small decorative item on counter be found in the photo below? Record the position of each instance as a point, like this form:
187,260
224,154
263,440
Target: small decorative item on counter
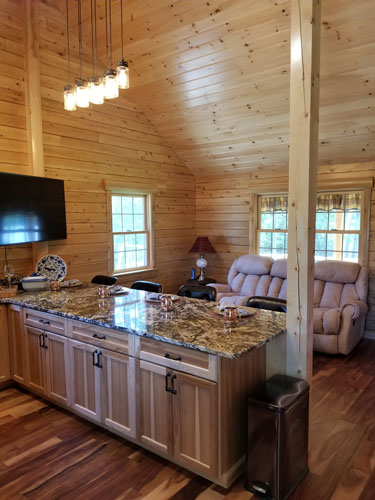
230,314
8,291
34,283
192,277
103,291
166,303
55,285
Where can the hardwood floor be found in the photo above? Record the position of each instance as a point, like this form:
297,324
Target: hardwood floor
48,454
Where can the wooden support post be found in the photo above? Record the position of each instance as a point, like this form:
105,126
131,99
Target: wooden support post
303,162
34,103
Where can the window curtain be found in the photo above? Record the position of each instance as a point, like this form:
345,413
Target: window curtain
274,204
338,202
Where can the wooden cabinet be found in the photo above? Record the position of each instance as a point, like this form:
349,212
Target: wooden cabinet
47,360
118,392
17,345
154,407
85,379
57,363
4,347
35,353
177,416
195,422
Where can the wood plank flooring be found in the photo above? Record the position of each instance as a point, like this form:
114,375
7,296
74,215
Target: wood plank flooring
48,454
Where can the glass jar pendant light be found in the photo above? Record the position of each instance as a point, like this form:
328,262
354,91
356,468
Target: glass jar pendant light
96,90
110,75
69,98
122,66
69,90
96,84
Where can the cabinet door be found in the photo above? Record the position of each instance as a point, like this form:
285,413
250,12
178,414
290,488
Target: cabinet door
84,379
17,343
35,358
4,348
154,406
56,368
195,422
118,392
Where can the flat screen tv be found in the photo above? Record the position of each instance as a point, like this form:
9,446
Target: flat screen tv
31,209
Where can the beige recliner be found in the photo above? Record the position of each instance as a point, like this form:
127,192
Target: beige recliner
340,295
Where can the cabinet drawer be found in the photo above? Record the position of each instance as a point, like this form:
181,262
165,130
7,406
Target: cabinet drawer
44,321
99,336
179,358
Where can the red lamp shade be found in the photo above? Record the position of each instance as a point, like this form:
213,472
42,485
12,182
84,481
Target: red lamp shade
202,245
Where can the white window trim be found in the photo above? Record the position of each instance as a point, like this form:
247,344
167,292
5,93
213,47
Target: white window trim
364,186
130,190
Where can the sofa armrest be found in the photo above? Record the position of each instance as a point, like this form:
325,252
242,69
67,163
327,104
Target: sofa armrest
221,288
359,308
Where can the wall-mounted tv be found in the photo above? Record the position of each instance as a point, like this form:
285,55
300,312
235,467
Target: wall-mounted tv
31,209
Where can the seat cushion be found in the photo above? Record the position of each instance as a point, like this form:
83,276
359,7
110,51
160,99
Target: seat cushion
326,321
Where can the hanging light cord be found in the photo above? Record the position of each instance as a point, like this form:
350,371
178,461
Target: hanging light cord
122,34
92,40
80,38
96,42
110,27
67,35
106,31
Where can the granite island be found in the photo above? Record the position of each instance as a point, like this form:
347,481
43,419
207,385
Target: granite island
175,383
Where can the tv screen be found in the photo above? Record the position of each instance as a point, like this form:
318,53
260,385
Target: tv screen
31,209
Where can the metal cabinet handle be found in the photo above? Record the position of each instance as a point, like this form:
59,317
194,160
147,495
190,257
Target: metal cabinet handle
45,343
168,356
41,340
44,322
96,336
99,365
173,391
167,388
94,357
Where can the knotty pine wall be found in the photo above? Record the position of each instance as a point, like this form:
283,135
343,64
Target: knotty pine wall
112,142
13,129
223,213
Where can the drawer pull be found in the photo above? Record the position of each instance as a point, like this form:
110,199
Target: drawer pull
173,391
44,322
168,356
99,337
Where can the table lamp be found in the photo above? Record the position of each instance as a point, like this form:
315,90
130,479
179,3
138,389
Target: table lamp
202,245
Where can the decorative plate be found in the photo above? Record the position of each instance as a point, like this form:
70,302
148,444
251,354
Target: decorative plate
52,266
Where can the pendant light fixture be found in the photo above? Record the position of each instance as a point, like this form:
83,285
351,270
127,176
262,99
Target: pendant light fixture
110,75
95,83
69,90
96,88
122,66
82,90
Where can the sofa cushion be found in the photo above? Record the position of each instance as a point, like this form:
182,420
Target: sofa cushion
331,295
326,321
255,285
337,271
252,264
279,268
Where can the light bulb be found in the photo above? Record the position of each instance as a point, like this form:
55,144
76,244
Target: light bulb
123,74
110,84
82,93
96,90
69,98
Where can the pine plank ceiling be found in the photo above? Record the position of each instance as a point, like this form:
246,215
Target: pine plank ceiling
213,77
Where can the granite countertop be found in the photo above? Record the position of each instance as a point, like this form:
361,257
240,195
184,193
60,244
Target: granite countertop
192,323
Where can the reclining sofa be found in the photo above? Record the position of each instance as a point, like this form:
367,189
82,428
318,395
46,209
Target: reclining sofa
340,295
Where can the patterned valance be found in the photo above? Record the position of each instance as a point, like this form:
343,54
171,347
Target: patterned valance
338,201
274,203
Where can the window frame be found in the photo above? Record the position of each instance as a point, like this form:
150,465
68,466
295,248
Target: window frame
149,210
363,233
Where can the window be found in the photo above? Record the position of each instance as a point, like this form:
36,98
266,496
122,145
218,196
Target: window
131,234
338,226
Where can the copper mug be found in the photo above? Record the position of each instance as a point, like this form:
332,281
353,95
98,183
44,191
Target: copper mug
166,303
55,285
230,314
103,291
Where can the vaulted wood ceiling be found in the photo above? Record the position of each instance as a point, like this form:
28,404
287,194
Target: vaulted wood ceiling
213,77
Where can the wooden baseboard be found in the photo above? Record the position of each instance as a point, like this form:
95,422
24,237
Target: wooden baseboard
6,384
